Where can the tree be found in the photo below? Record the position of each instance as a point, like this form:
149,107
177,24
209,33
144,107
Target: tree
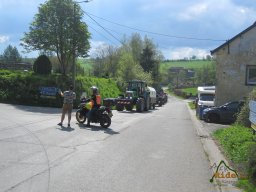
57,27
150,60
206,75
11,55
136,45
42,65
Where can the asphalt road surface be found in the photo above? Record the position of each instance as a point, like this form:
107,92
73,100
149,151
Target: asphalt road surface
155,151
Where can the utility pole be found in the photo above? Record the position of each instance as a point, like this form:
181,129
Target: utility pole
74,43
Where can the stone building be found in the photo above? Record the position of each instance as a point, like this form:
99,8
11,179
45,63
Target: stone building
236,67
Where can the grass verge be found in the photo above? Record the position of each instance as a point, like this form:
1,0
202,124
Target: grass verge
191,104
235,142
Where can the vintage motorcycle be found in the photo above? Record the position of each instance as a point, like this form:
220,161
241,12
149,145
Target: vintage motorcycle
103,115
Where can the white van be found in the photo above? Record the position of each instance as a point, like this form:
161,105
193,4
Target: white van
206,96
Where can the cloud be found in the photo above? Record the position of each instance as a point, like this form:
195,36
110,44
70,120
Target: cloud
194,11
184,52
228,11
4,38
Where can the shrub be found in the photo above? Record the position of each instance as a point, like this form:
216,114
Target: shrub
243,116
252,164
23,88
42,65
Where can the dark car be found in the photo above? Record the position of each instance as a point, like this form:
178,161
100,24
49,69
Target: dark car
223,114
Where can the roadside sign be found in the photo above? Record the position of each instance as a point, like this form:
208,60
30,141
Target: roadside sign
252,117
48,92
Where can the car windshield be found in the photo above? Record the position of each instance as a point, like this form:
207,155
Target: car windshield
206,97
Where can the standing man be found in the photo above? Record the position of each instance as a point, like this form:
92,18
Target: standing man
69,96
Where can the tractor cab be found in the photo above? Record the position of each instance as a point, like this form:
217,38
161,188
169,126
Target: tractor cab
129,94
137,87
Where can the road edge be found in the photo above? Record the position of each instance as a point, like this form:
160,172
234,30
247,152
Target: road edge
211,149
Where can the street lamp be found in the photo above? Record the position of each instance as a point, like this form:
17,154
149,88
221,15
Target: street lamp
74,41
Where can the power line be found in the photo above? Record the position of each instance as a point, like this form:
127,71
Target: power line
100,33
103,28
114,31
155,33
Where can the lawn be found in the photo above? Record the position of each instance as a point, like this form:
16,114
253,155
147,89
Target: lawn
196,64
235,142
192,90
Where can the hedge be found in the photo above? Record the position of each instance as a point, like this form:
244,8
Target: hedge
23,87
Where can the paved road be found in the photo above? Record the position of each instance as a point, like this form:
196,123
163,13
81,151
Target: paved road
153,151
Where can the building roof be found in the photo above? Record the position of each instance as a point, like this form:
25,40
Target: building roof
238,35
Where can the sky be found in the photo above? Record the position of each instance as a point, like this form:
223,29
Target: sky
179,28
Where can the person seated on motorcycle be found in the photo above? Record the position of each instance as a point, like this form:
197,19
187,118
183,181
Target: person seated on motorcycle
96,100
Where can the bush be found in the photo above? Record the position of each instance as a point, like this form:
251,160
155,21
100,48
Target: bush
252,164
243,116
23,88
42,65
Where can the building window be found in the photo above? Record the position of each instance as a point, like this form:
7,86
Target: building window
251,75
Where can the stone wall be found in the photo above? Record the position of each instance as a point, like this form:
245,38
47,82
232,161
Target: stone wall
232,61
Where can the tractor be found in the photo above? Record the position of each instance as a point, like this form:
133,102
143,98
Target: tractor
137,95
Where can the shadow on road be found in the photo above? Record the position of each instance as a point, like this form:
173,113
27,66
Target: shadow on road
46,110
68,129
98,128
135,112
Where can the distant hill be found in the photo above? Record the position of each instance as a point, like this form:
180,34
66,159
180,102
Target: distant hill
194,64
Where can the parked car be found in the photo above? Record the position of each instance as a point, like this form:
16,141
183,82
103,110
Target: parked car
224,114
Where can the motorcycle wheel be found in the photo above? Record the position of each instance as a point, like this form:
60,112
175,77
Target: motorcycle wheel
105,121
80,117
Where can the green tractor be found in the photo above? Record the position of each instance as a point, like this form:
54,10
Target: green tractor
136,95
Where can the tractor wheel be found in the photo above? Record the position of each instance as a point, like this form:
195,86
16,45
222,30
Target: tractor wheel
160,103
129,107
140,105
147,104
119,107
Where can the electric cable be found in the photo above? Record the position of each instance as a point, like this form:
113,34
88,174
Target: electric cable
103,28
155,33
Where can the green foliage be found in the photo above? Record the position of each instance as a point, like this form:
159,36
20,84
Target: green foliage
164,66
58,27
107,87
206,75
246,186
23,88
243,116
85,65
135,59
147,60
192,105
42,65
235,142
192,91
11,55
129,70
185,93
252,164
